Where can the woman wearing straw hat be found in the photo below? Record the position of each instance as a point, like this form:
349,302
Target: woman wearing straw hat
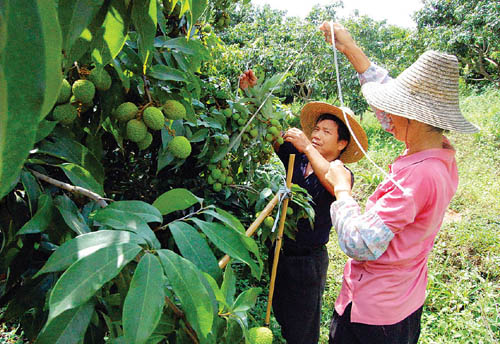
383,289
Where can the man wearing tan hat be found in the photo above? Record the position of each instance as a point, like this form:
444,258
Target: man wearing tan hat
383,289
301,274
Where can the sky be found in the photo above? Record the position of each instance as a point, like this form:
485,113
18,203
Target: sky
397,12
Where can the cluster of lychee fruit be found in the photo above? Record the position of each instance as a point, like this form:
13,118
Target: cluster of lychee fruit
74,99
138,121
219,175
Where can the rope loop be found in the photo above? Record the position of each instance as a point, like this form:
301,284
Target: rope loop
283,193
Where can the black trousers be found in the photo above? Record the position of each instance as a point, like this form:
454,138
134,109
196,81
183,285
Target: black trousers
300,282
343,331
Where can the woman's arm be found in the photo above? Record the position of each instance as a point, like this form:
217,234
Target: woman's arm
361,236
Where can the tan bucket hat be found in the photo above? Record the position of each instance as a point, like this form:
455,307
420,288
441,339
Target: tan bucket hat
427,92
309,115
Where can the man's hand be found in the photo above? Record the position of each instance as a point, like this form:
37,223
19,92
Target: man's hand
297,138
247,79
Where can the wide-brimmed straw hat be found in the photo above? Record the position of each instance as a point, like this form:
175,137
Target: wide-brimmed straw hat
427,91
309,115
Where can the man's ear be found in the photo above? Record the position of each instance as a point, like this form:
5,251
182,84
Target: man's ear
341,144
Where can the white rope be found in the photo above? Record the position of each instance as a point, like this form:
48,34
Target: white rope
347,122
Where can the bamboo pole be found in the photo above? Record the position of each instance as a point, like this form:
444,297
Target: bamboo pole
254,226
278,240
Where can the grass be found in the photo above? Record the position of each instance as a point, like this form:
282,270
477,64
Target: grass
463,294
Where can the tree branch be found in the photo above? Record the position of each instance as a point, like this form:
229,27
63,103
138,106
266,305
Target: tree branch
75,189
180,314
146,88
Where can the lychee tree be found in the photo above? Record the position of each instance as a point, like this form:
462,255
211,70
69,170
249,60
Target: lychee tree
118,153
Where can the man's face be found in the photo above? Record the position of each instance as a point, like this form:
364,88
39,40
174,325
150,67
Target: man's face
325,139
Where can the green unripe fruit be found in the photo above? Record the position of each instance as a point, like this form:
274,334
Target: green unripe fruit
241,122
236,116
217,187
269,222
153,117
174,110
227,112
269,137
229,180
210,180
125,111
275,122
216,173
224,163
180,147
273,131
83,90
222,178
207,28
136,130
254,133
280,140
145,142
289,211
64,93
65,113
100,78
260,335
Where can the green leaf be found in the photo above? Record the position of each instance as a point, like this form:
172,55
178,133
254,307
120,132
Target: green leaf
227,218
32,189
82,178
176,199
68,327
154,339
118,219
188,286
144,210
87,275
229,241
199,136
44,129
144,18
42,218
30,79
71,214
182,44
72,151
228,286
197,9
162,72
246,300
75,16
114,33
144,303
84,245
195,248
219,296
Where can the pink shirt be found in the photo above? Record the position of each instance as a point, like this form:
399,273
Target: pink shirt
387,290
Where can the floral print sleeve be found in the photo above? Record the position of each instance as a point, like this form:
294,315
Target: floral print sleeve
361,236
380,75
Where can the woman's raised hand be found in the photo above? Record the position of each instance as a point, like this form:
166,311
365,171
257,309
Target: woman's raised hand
247,79
342,37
